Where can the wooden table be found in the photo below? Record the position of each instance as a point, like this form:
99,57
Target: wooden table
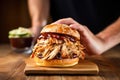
12,65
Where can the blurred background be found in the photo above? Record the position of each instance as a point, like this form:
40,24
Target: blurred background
13,13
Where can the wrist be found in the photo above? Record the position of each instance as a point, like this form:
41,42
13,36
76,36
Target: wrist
37,26
103,43
39,23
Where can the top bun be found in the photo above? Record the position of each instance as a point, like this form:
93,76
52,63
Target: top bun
61,28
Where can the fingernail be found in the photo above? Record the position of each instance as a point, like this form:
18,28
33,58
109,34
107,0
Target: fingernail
71,25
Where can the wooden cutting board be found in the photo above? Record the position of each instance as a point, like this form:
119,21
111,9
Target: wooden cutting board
84,67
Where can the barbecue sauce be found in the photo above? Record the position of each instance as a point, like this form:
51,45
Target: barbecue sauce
57,36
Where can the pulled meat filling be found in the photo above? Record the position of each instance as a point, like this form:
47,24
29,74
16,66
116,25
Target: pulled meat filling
57,46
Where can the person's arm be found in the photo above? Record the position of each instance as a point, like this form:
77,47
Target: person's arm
38,12
96,44
110,35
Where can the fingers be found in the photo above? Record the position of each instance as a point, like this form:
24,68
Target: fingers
66,21
78,27
73,24
70,22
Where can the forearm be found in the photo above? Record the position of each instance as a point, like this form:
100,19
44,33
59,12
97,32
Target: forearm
111,35
38,11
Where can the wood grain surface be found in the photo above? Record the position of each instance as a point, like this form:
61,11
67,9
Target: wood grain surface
83,67
12,66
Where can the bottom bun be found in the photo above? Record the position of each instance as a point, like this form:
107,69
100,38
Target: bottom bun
56,62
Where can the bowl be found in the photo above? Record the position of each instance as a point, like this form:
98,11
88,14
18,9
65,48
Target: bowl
21,40
21,44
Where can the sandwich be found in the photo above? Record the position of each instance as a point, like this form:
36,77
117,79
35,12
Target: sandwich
58,46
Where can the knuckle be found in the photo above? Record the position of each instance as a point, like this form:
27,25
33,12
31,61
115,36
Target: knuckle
70,18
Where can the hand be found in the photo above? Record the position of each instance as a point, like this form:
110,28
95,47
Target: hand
92,43
36,32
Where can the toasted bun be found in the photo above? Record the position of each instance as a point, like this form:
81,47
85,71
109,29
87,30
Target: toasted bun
61,28
56,62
